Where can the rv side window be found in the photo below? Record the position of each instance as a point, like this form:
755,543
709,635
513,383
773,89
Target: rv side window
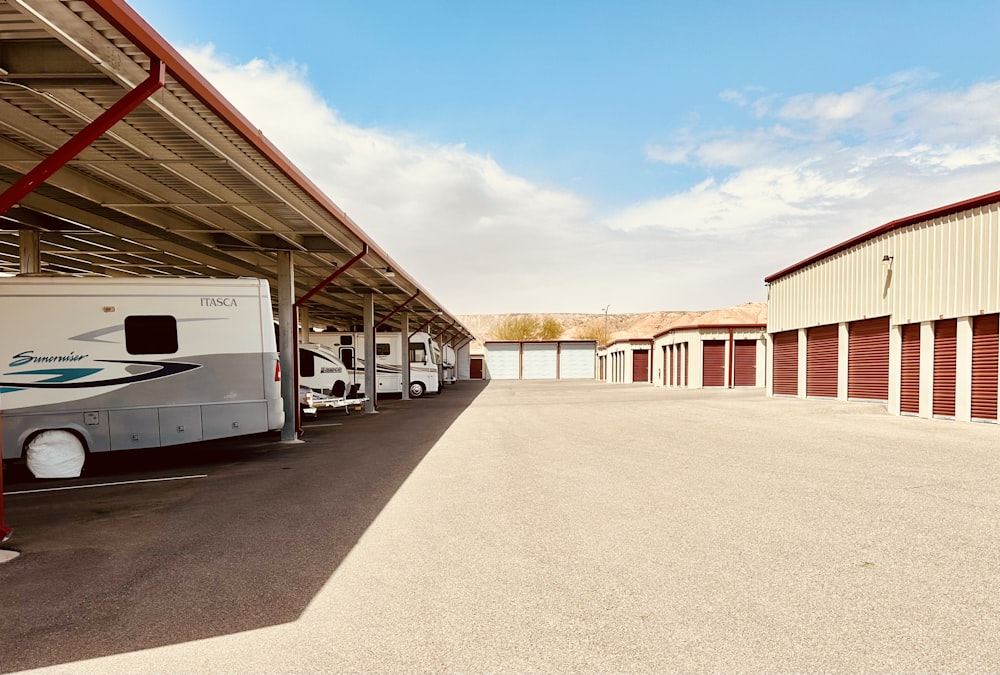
347,356
150,335
347,339
382,349
418,352
307,363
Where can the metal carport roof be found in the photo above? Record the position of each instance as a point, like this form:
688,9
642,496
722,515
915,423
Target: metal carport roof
184,185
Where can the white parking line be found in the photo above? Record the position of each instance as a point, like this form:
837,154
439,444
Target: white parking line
331,424
94,485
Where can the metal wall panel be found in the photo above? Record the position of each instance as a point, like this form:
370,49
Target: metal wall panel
745,363
945,362
668,365
713,363
985,351
947,267
868,360
786,363
640,365
909,386
503,361
821,361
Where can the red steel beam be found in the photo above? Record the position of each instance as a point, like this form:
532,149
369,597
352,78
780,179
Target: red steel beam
90,133
393,312
326,282
423,325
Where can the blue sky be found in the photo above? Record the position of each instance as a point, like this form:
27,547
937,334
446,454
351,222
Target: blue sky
562,156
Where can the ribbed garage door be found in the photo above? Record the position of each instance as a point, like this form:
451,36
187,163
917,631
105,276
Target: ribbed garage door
503,361
909,385
668,365
868,360
640,366
685,360
539,361
576,361
713,364
786,363
745,363
985,348
821,361
944,367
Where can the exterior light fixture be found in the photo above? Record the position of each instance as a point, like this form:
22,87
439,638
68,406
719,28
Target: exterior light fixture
887,260
389,272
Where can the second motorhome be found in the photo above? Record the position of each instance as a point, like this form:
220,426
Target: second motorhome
92,364
422,351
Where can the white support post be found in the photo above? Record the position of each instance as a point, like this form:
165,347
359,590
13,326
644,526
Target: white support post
895,368
803,360
927,369
843,343
963,372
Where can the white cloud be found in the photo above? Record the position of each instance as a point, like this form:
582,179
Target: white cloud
813,170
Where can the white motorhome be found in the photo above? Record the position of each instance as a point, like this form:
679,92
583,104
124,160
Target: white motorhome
449,365
96,364
424,356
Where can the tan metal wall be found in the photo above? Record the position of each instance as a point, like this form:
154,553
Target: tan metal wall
946,267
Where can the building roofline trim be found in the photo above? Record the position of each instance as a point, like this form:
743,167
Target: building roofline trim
950,209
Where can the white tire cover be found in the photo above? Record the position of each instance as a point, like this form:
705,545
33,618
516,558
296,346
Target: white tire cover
55,454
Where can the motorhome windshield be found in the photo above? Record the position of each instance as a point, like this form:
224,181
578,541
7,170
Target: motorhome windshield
418,352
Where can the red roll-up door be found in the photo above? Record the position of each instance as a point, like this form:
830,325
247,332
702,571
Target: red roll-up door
713,364
868,360
985,351
821,361
786,363
909,385
745,363
945,342
640,366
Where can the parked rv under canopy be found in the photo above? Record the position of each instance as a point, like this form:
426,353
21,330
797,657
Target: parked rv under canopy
117,158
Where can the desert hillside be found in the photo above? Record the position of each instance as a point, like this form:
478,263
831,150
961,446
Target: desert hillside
619,326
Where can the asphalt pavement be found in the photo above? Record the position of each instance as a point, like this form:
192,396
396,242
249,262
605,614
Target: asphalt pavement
526,527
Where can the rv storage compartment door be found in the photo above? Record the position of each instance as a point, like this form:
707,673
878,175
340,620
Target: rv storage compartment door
136,428
180,424
233,419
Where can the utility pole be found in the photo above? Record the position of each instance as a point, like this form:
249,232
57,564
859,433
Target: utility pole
607,335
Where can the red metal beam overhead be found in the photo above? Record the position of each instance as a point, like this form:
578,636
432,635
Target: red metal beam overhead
336,273
90,133
393,312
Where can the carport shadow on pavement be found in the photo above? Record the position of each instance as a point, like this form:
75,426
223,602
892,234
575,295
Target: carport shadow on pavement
110,570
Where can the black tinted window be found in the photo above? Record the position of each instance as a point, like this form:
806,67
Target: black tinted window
151,335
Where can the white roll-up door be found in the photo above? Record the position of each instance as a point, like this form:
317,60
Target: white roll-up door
576,361
540,361
503,361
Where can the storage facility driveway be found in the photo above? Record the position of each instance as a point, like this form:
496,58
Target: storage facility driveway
552,527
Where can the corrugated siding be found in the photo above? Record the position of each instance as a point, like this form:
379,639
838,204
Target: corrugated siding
821,361
945,361
786,363
868,360
745,363
909,386
713,363
640,365
985,350
947,266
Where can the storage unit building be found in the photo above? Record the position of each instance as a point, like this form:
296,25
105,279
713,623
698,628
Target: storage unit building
905,314
627,361
712,355
540,360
